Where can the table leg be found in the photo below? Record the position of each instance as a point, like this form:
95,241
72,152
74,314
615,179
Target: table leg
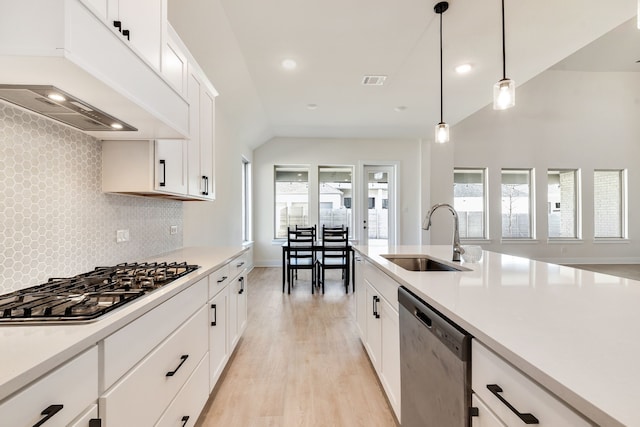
284,268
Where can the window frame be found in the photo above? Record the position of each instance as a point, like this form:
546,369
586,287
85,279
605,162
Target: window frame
624,214
485,199
288,168
578,204
531,205
246,200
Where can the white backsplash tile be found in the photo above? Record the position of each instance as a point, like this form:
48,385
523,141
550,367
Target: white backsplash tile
54,219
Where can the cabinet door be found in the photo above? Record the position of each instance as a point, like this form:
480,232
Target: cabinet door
374,326
242,304
193,94
171,168
98,7
207,139
232,327
390,360
174,64
218,335
143,19
361,299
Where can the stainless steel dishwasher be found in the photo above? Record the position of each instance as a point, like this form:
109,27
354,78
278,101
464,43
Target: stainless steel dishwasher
435,367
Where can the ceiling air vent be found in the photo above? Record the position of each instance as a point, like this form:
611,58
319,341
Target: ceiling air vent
373,80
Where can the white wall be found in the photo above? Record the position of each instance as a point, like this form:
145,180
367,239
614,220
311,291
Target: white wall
562,119
322,152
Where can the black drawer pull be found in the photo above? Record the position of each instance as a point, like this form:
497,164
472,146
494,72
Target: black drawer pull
164,173
376,300
241,280
240,264
222,279
125,33
526,418
215,314
50,411
118,25
183,358
184,420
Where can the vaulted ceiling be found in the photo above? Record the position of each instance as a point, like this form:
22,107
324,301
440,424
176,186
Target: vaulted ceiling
335,43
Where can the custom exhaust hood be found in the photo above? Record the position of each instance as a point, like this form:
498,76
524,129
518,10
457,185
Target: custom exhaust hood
59,105
66,64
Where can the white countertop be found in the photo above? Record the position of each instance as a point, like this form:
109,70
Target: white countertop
575,332
29,351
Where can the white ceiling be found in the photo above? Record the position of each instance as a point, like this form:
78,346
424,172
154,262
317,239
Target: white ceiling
241,44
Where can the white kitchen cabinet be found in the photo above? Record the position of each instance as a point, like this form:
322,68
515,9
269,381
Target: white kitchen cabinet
174,61
145,168
89,418
53,47
237,309
484,417
123,349
361,298
379,324
140,23
218,326
498,384
60,397
156,380
201,135
186,407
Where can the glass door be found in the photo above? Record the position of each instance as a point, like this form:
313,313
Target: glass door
378,206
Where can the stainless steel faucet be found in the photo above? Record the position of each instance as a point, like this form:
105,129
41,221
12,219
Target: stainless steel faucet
457,249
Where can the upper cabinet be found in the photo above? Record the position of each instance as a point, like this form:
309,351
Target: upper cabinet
75,46
202,136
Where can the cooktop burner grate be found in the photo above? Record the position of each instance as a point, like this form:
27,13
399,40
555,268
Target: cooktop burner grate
88,295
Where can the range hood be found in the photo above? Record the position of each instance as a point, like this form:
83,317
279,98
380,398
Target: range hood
61,106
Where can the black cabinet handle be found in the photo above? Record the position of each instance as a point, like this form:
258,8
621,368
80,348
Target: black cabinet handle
240,264
184,420
118,25
241,280
164,173
125,33
222,279
376,300
95,422
525,418
205,184
49,412
215,314
183,358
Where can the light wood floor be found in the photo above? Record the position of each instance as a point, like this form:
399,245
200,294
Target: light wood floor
629,271
299,363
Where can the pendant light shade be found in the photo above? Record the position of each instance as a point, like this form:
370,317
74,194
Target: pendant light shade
504,92
442,129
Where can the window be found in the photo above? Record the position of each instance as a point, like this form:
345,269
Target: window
371,202
335,193
516,204
562,200
469,200
292,198
609,203
246,200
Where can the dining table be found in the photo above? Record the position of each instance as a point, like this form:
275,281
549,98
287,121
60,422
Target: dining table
317,247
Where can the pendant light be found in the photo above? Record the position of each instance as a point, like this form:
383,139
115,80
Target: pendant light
504,92
442,129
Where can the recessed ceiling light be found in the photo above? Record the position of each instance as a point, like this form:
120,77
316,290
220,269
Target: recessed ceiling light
463,68
289,64
312,106
400,108
116,126
56,97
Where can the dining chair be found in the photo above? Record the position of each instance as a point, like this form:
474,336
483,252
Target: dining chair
301,255
334,254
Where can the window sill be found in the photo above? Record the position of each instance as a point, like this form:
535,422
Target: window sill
609,240
522,241
475,241
278,242
564,241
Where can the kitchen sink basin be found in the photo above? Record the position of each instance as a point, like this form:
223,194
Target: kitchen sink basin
421,263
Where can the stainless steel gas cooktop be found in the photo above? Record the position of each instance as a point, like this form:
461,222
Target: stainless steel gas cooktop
89,295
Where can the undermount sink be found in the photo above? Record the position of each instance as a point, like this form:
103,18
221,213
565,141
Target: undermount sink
421,263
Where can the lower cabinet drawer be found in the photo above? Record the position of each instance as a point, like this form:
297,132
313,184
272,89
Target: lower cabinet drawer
61,396
218,280
238,264
484,418
186,407
498,385
85,419
144,393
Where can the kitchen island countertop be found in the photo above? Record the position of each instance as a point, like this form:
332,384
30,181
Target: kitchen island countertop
30,351
573,331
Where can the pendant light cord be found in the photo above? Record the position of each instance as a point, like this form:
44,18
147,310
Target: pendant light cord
504,56
441,96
